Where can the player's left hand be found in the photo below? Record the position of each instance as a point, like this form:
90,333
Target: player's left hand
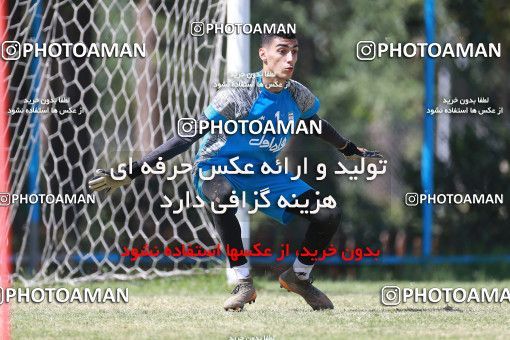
351,151
103,180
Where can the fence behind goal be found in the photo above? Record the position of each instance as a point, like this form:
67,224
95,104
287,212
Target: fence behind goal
124,107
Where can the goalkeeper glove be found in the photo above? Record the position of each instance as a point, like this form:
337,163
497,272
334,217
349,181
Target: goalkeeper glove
350,151
104,181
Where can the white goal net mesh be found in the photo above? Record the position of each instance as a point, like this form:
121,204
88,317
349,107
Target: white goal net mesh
117,108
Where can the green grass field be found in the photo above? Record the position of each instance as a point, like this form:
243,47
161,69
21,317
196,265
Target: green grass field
190,307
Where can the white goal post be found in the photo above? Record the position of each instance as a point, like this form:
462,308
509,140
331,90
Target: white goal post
238,61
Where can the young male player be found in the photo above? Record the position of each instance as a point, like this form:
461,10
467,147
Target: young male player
270,95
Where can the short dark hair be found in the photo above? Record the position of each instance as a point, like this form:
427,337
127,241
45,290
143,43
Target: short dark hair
268,38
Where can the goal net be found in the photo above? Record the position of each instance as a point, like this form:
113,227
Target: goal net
72,115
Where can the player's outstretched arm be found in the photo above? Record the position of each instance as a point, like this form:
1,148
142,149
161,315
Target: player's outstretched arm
176,145
345,146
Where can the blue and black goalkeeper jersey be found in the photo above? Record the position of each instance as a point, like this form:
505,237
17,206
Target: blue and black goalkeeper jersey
249,102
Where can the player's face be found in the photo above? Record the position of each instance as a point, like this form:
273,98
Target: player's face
280,57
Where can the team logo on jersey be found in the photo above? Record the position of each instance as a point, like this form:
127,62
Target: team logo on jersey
290,115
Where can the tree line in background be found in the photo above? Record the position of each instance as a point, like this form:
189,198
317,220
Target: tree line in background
379,104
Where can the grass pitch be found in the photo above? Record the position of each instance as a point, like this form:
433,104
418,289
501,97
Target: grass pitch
191,307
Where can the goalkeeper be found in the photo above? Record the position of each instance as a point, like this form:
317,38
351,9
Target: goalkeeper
270,95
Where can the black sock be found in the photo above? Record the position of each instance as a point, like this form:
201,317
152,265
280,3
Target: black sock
323,226
219,190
